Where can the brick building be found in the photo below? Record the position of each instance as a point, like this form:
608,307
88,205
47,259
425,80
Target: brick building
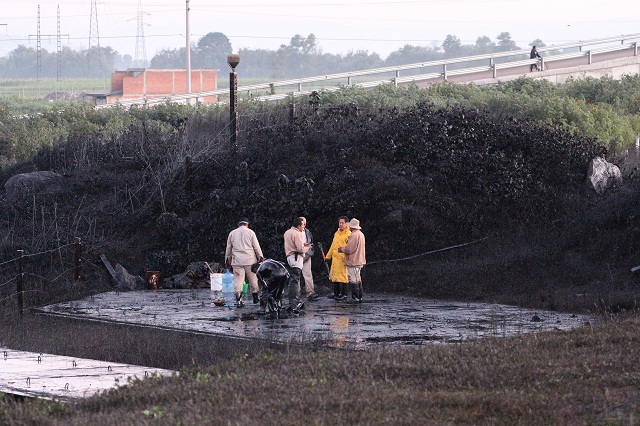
137,83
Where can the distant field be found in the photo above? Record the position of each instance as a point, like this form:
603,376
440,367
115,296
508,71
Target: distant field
34,89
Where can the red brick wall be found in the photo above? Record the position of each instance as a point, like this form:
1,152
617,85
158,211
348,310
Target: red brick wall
153,83
116,80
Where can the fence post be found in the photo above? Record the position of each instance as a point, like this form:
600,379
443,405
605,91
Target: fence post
77,242
292,111
19,281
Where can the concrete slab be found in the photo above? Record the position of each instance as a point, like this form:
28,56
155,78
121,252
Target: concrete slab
64,378
381,319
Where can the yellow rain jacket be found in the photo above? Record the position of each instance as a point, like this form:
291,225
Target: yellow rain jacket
338,273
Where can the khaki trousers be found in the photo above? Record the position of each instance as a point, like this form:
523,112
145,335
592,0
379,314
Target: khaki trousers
242,272
308,277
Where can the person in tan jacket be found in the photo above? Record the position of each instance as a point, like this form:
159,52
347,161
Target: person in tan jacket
294,250
354,258
243,250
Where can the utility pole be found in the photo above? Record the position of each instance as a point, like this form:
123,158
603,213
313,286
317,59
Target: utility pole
59,53
188,54
38,54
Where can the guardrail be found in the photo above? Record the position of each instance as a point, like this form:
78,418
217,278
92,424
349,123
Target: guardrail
345,79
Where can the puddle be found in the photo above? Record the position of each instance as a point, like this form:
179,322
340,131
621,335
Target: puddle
381,319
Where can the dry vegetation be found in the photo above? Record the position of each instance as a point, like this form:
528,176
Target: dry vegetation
585,376
157,188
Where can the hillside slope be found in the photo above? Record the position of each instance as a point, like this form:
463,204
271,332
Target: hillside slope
168,189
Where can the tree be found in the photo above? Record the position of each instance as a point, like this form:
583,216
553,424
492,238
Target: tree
537,42
212,50
484,45
505,43
452,46
411,54
170,58
301,45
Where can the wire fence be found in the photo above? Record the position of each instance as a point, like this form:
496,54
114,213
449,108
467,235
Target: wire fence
25,278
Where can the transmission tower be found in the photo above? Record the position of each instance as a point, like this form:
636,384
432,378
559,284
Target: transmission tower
59,46
39,36
38,53
140,59
94,58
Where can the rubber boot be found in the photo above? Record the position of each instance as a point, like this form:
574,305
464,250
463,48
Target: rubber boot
239,302
344,287
336,291
360,292
256,299
354,293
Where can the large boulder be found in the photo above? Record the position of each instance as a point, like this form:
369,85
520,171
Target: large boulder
603,175
25,184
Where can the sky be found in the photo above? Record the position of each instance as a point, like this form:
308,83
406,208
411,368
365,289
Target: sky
340,26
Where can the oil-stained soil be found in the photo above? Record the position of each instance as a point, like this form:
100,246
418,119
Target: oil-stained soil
381,319
167,192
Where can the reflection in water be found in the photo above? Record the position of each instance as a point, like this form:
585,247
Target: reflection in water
339,329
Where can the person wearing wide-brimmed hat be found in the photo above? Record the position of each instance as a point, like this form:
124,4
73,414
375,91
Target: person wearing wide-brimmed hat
243,250
354,258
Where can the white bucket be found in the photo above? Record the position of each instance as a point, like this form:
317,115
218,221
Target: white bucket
216,281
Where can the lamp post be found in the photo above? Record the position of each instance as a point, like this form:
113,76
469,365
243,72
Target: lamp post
233,60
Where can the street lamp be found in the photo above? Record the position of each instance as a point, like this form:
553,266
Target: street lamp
233,60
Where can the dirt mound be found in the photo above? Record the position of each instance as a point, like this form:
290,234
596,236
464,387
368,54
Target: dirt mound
167,192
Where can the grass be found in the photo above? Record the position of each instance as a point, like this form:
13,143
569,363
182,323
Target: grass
33,89
584,376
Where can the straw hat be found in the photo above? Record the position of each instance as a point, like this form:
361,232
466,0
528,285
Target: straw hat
354,224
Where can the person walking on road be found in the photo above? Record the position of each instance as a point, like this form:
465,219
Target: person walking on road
294,249
533,55
307,275
243,250
354,258
338,273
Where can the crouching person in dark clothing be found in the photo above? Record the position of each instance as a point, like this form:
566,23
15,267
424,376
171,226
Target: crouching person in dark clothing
272,279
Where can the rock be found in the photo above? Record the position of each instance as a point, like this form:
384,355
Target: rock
196,276
125,281
603,175
394,217
26,184
536,318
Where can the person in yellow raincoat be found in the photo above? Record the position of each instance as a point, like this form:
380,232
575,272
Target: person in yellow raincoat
338,273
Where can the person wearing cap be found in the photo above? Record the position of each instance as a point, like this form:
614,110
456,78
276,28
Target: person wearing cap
354,258
294,249
338,273
243,250
307,275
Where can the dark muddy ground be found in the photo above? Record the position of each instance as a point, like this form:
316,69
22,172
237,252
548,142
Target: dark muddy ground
381,319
